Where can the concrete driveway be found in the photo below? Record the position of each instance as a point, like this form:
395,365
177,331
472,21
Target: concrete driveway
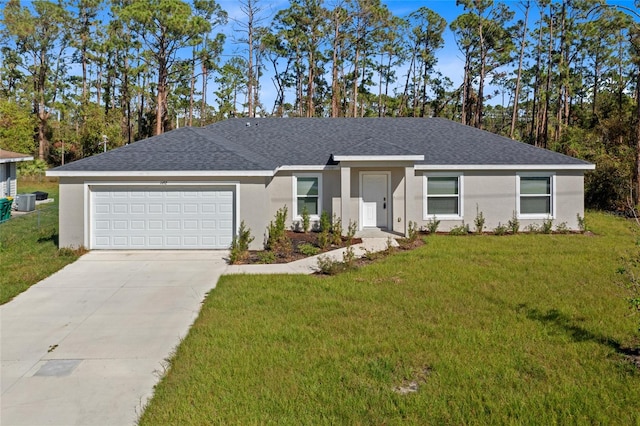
84,346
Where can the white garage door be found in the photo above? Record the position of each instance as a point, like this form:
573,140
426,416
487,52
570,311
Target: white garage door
161,218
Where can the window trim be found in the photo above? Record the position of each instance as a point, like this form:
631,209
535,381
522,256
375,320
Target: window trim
552,202
296,215
425,196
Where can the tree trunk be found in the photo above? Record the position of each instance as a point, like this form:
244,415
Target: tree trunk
535,122
637,168
516,94
203,102
481,77
356,75
192,86
335,88
311,76
161,98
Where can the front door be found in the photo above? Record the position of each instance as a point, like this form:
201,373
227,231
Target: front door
375,205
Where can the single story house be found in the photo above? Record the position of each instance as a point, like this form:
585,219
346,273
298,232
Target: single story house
8,173
190,188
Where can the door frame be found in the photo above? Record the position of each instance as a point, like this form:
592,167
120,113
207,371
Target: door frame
387,174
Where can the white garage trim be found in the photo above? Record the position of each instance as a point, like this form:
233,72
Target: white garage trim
234,187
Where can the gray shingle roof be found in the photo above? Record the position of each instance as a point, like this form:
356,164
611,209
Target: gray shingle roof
252,144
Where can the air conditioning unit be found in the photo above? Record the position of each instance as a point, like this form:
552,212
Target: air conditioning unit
25,202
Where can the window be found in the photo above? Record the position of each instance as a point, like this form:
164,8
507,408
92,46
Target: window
442,195
535,195
307,190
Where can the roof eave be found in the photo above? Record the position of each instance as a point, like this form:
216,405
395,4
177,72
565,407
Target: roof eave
585,166
15,159
159,173
378,157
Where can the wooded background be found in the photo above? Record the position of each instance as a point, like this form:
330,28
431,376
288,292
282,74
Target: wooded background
562,75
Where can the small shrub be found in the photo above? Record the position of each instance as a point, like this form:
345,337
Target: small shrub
562,228
336,231
432,225
266,257
547,226
460,230
348,257
533,228
631,283
306,219
324,239
582,223
240,245
479,221
276,229
329,266
389,247
372,255
308,249
412,231
514,224
351,231
325,222
500,229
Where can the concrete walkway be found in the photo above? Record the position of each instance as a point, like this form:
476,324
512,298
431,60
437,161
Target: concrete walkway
86,345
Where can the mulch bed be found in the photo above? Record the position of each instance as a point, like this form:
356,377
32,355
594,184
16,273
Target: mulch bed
297,239
300,238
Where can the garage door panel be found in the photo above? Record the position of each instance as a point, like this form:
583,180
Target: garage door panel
155,208
137,241
172,208
137,225
161,218
190,208
137,208
120,225
155,225
102,208
120,208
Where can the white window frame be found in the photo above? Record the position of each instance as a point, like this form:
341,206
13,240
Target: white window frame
295,213
425,199
552,204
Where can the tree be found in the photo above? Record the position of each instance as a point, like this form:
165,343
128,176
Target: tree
523,43
42,36
165,27
231,81
425,39
302,29
16,127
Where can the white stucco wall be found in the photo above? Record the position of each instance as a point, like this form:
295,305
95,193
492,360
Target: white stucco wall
493,192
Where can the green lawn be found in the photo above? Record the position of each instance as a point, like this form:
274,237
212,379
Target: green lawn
29,244
526,329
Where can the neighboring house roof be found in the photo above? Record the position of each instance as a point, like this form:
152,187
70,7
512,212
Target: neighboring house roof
13,157
263,145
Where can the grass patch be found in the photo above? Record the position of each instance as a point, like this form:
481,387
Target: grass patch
486,330
29,244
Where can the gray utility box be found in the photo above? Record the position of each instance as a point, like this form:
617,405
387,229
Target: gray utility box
26,202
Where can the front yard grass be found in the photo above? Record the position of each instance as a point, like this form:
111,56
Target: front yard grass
29,244
525,329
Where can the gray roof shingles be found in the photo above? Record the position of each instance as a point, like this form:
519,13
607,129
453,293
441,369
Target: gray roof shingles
251,144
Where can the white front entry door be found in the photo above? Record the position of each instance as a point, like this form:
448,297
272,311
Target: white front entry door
375,205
